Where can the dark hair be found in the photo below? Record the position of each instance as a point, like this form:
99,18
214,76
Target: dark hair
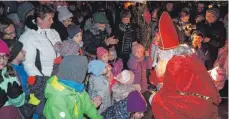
42,10
4,23
124,13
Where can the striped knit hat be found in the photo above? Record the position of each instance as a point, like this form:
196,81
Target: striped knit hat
214,11
100,52
68,47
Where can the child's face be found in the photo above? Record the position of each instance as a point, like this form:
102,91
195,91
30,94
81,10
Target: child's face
137,115
105,58
78,37
21,56
197,41
3,60
139,52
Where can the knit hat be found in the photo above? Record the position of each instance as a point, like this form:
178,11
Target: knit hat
214,11
73,68
127,77
63,13
4,48
96,67
15,47
73,30
100,17
67,47
14,18
136,102
100,51
23,9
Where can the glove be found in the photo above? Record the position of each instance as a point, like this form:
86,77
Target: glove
31,80
3,97
14,90
33,100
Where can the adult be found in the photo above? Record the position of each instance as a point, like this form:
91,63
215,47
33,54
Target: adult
198,13
97,31
38,42
63,20
127,35
215,34
7,29
188,91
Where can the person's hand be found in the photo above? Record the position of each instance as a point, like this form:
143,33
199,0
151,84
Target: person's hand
3,97
206,39
14,90
146,53
97,101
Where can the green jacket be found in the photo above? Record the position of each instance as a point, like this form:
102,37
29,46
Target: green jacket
63,102
19,100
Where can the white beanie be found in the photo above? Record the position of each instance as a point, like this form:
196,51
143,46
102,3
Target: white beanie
127,77
63,13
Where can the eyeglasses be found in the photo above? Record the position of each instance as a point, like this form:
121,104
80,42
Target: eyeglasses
4,57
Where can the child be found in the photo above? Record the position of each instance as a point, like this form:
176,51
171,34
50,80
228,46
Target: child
138,64
132,107
17,55
65,93
75,34
122,90
99,84
11,93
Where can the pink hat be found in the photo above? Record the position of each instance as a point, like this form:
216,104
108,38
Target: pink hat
4,48
100,52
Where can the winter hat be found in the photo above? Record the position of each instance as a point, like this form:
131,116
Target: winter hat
125,14
73,30
100,51
67,47
4,48
185,10
23,9
214,11
73,68
136,102
96,67
127,77
14,18
63,13
15,47
100,17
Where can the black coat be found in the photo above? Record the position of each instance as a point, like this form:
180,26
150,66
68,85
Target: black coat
217,34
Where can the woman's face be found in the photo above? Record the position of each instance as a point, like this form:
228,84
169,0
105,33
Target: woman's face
3,60
67,22
137,115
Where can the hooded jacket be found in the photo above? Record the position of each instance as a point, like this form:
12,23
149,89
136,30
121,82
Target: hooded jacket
94,38
64,102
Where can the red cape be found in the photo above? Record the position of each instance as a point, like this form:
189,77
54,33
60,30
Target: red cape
186,74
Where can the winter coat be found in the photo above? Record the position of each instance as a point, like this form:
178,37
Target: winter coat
121,91
14,97
22,75
40,53
138,67
94,38
64,102
217,34
126,35
117,111
99,86
61,29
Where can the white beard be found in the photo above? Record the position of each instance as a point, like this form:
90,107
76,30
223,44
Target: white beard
160,68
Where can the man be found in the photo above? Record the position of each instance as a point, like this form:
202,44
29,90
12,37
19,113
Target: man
188,91
127,35
7,29
97,31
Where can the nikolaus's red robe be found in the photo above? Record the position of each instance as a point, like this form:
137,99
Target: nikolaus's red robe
186,74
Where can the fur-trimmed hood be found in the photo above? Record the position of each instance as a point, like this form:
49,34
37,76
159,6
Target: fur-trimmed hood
90,25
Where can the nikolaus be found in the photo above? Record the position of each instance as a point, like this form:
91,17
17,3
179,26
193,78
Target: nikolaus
188,91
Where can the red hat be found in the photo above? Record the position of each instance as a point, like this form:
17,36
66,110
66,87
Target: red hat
168,33
100,52
4,48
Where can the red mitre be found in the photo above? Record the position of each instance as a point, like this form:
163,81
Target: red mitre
168,33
